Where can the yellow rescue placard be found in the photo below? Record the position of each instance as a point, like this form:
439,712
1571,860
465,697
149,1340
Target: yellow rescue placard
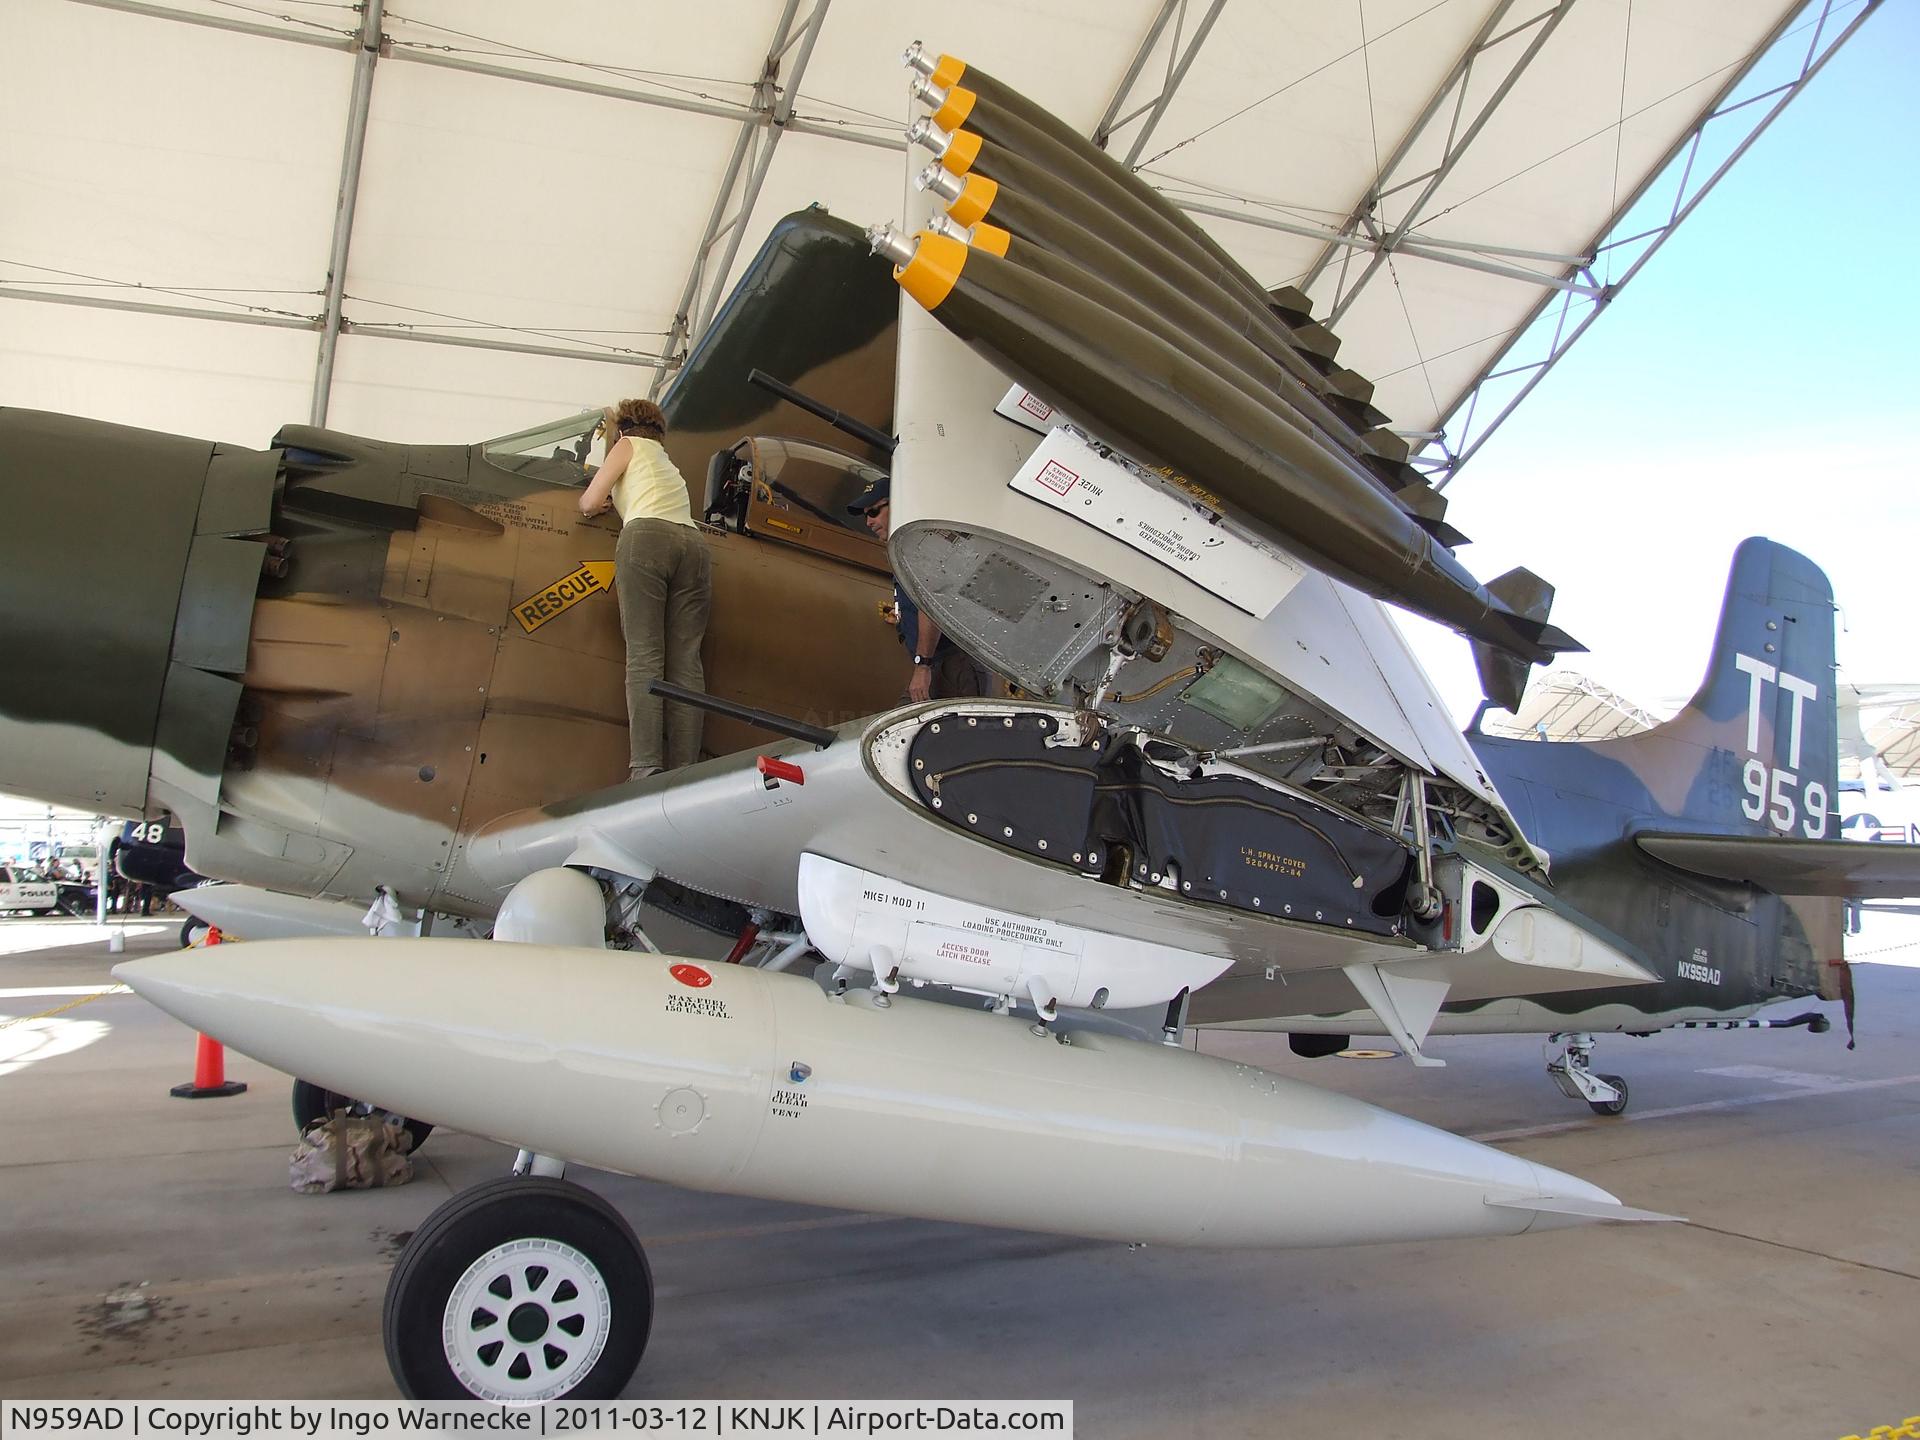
565,593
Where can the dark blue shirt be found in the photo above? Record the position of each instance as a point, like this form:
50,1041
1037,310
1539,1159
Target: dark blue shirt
908,625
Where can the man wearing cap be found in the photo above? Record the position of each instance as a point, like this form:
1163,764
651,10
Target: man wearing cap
941,669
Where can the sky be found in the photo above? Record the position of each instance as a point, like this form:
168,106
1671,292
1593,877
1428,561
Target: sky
1757,377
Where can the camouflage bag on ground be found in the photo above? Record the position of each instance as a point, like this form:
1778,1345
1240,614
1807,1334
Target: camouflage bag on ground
351,1152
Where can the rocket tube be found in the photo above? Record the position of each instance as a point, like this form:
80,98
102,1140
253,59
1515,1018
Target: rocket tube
994,99
1127,201
1190,331
1212,318
1159,406
1014,174
1011,119
730,1079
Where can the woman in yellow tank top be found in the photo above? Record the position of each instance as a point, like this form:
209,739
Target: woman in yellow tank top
665,586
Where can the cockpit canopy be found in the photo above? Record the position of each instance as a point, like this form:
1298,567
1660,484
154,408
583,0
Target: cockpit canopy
563,451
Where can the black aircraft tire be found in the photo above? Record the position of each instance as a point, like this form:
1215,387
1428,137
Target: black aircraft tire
186,937
1611,1107
313,1103
1315,1047
529,1260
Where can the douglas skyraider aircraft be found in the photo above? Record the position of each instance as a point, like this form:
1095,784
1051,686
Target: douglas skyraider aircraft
1221,791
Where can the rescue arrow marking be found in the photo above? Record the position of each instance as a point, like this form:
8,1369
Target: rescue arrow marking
566,592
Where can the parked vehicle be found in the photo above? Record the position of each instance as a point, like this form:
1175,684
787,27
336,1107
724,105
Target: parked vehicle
21,890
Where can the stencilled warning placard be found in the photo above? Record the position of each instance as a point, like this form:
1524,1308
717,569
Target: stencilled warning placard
963,943
1069,475
873,922
592,578
1023,407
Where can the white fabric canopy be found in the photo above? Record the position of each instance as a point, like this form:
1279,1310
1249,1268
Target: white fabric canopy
571,178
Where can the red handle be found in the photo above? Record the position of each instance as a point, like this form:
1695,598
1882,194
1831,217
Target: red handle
780,770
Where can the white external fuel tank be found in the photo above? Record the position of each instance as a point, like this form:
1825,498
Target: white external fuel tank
728,1079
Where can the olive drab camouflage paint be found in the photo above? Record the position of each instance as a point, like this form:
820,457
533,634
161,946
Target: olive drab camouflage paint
343,664
318,658
1753,753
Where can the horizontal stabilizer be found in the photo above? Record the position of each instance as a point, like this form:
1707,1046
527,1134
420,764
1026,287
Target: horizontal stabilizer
1396,475
1357,388
1442,532
1425,505
1582,1209
1312,336
1292,305
1418,498
1848,869
1503,675
1522,593
1390,447
1356,410
1551,637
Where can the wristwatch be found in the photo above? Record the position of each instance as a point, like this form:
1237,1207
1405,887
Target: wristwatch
922,660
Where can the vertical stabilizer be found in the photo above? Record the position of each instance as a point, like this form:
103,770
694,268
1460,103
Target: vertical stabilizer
1766,706
1767,719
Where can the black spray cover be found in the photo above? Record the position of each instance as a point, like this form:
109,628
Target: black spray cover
1105,810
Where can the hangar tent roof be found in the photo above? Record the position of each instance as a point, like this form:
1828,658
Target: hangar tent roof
439,220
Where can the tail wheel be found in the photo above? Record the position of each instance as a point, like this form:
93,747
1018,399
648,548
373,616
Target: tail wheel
519,1291
313,1103
1616,1105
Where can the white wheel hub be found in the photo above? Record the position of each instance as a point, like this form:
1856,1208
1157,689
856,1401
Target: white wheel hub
526,1322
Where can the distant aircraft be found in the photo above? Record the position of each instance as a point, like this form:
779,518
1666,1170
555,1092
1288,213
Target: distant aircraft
1221,792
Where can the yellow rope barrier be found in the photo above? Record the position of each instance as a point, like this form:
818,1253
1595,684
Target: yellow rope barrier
71,1004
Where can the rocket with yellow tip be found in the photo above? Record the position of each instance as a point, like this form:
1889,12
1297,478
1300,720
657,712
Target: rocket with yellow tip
1023,170
1099,295
1064,337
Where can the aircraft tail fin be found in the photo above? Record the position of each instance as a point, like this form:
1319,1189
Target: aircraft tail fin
1753,761
1765,711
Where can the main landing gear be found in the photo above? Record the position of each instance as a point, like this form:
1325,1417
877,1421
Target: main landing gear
529,1288
1571,1071
519,1291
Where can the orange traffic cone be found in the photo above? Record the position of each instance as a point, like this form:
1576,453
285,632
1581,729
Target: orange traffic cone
209,1060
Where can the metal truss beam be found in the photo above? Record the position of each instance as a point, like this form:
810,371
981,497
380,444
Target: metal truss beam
716,110
769,111
433,59
1466,254
323,39
1443,457
1462,130
770,115
153,307
365,56
1103,132
512,347
314,323
783,98
1179,61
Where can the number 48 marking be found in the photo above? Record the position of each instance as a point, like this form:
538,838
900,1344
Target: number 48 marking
1771,794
